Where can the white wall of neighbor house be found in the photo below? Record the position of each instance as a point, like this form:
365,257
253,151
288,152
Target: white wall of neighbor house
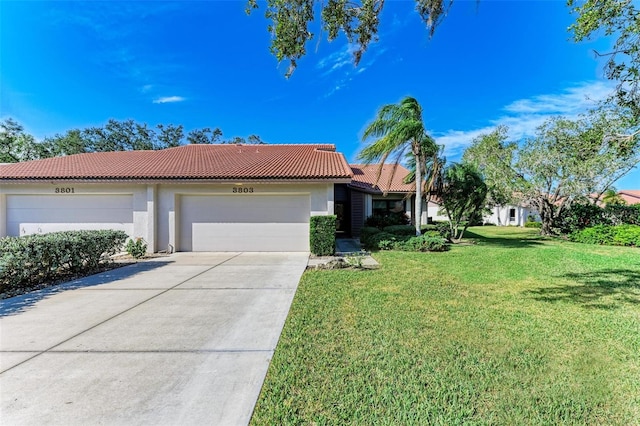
510,215
58,206
432,210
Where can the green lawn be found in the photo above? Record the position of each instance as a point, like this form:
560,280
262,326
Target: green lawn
511,330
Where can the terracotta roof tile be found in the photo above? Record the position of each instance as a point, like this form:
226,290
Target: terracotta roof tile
364,178
211,162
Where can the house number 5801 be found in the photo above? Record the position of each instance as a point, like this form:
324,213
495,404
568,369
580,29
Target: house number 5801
65,190
242,190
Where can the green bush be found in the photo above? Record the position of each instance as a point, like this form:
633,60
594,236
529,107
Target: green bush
323,235
619,215
400,229
429,227
137,248
42,258
444,230
381,241
620,235
533,224
426,242
380,222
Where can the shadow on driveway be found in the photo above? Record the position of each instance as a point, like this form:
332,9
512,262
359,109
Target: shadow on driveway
15,305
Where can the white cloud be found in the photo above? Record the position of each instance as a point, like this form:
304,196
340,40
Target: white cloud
340,66
168,99
524,116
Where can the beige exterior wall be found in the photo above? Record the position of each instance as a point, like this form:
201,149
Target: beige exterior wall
156,215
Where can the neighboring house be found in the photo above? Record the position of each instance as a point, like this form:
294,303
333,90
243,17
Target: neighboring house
511,215
630,196
368,195
189,198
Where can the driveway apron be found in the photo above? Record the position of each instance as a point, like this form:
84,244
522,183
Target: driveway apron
181,340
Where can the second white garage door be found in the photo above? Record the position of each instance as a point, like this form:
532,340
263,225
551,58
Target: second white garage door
244,223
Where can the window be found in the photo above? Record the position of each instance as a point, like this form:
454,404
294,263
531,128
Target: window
512,215
386,207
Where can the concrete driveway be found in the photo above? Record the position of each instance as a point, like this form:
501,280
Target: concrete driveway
181,340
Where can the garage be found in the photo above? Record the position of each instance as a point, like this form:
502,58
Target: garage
242,222
36,214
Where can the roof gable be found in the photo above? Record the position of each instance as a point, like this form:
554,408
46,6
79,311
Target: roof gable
211,162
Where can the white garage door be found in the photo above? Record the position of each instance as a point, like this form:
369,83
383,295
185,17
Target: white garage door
244,223
34,214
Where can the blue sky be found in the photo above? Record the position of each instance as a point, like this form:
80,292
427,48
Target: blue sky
72,64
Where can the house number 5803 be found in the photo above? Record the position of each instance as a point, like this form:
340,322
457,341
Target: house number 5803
65,190
242,190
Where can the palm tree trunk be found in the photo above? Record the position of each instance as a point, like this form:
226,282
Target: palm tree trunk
418,207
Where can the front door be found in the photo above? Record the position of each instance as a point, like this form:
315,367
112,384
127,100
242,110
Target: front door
343,222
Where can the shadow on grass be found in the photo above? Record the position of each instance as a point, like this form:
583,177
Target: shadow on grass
516,240
17,304
604,289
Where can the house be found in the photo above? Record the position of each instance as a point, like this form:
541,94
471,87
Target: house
366,195
630,196
188,198
511,215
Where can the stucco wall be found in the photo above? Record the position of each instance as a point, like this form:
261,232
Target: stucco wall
155,206
168,202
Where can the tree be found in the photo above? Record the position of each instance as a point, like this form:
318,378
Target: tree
72,142
566,160
16,145
620,18
398,129
498,175
358,20
204,136
170,136
612,198
463,197
432,164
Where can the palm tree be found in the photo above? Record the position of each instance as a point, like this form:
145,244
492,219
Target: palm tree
432,164
398,129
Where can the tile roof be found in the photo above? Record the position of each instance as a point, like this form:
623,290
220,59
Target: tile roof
211,162
364,178
630,196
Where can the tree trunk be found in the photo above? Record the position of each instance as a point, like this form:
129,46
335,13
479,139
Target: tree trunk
546,217
418,207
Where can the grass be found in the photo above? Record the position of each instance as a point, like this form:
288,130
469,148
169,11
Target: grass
514,329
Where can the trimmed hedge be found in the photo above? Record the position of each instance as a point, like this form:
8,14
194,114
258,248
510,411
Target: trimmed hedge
620,235
322,235
399,238
41,258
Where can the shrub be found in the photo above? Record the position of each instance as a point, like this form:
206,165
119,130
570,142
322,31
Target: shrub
380,241
137,248
580,216
619,215
426,242
444,230
400,229
322,235
429,227
380,222
533,224
42,258
620,235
